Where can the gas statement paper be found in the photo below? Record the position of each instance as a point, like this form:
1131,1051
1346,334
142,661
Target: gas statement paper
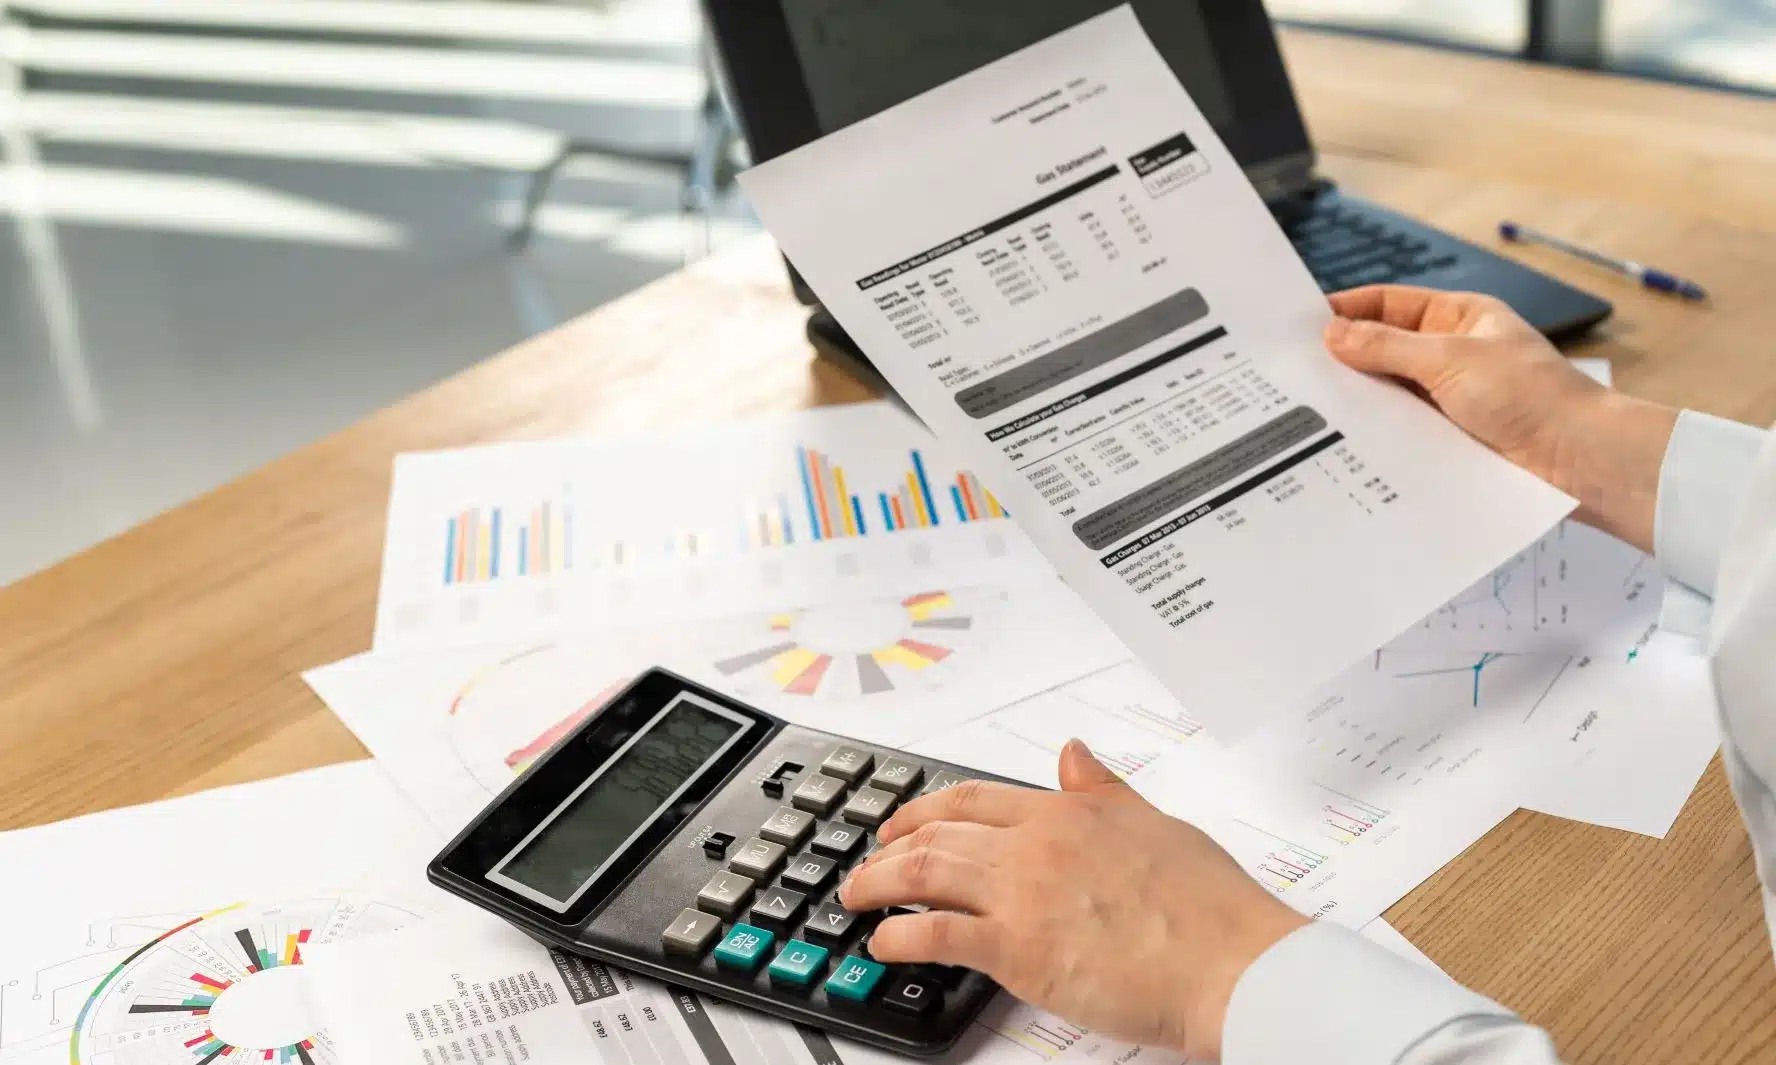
1066,274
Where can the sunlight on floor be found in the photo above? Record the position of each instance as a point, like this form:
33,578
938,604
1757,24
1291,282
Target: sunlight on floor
188,203
357,137
665,26
228,227
364,68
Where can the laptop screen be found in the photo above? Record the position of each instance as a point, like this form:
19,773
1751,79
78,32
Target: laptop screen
844,60
861,58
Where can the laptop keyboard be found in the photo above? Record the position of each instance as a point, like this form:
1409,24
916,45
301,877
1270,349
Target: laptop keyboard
1344,248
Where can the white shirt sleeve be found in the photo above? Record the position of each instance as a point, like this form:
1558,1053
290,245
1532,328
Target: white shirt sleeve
1326,995
1312,996
1702,486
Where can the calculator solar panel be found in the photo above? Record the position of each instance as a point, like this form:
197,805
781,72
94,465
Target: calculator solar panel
695,839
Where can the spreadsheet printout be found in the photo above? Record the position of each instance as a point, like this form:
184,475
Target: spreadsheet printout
1063,271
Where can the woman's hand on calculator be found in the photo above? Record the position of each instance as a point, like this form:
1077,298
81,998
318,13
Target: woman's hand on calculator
1087,901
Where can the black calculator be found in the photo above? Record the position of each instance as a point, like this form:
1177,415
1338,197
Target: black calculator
692,838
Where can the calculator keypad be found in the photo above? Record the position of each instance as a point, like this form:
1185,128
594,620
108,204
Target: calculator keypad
831,923
838,839
854,979
941,780
848,763
897,775
868,806
818,793
798,964
780,889
744,947
725,894
778,907
758,859
913,993
787,826
690,932
809,872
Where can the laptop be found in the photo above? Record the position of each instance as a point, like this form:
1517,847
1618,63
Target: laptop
795,70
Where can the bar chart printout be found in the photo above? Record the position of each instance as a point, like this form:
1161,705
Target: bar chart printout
479,539
486,543
781,513
834,511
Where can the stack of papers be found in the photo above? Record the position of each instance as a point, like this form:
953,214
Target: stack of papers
1282,600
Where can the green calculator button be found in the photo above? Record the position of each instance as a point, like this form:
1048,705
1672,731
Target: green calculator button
798,963
744,947
854,979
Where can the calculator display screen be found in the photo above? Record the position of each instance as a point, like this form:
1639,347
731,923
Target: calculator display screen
580,838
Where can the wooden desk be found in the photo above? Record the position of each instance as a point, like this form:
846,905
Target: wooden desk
166,660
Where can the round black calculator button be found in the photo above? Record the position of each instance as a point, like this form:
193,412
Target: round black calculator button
809,872
758,858
851,763
897,775
869,806
831,923
838,839
690,932
777,907
914,993
818,793
788,826
725,894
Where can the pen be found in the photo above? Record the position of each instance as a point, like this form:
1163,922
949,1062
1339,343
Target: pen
1646,275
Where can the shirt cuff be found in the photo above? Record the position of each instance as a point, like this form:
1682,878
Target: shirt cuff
1702,484
1324,993
1686,612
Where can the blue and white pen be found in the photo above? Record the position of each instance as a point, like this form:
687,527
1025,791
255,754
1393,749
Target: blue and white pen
1646,275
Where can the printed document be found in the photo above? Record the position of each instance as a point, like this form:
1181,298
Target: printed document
478,992
177,932
481,993
1065,273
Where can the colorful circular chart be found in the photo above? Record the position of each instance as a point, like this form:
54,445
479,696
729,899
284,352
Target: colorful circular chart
227,986
857,650
512,711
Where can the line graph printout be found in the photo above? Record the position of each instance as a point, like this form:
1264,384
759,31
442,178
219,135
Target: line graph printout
1573,589
454,728
1645,742
1387,774
178,932
1123,714
535,540
1068,277
576,1011
1343,805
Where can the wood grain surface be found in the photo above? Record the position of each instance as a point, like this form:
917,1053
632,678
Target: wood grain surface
166,660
